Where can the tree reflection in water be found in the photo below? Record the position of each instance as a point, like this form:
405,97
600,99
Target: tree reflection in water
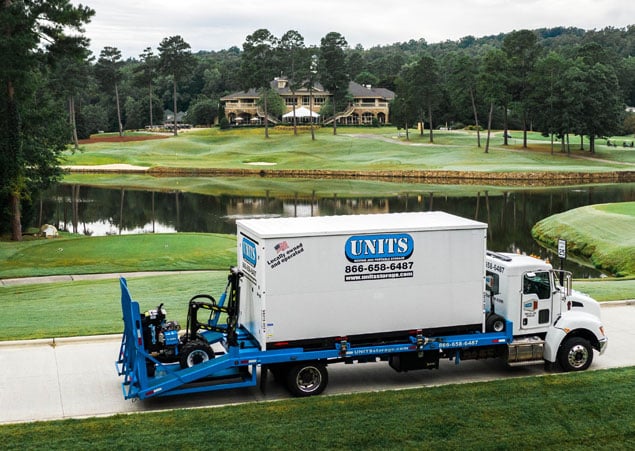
509,214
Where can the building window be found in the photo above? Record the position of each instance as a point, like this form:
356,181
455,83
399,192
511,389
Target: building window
318,101
367,118
290,101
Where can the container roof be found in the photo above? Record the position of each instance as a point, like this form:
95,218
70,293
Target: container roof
357,224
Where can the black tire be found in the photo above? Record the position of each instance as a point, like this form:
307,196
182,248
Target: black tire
307,379
195,352
575,354
495,323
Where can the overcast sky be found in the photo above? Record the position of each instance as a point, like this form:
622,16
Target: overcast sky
133,25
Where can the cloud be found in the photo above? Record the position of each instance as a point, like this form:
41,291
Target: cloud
133,26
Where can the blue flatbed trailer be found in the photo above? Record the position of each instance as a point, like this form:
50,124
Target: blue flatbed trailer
236,365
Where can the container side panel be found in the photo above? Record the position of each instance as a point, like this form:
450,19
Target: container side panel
336,285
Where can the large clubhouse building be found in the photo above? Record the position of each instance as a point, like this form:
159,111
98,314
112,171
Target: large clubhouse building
368,104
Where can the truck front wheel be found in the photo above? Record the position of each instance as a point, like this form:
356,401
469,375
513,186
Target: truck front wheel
307,379
195,352
576,354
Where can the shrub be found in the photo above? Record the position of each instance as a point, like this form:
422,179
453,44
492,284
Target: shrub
473,127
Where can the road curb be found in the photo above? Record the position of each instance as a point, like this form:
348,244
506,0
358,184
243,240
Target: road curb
60,341
617,303
99,276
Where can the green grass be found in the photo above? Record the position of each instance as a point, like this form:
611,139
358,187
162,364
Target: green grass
122,253
375,149
607,289
281,187
603,234
573,411
82,308
93,307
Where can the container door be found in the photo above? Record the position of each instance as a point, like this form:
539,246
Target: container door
537,300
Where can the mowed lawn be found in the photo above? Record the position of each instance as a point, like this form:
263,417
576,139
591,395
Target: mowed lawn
361,149
603,234
579,411
117,253
93,307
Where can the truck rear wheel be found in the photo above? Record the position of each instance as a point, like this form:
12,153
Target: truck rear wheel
307,379
195,352
576,354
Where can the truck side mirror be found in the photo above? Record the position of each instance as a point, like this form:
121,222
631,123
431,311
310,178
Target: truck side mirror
568,283
565,279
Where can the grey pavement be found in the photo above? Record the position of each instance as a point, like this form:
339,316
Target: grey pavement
76,377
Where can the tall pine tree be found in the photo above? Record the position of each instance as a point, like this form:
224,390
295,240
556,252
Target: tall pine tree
34,34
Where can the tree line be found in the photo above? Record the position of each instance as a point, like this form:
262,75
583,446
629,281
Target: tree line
561,81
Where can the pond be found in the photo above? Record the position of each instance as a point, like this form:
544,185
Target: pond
509,213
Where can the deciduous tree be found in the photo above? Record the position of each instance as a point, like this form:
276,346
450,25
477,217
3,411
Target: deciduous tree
601,106
549,97
462,84
203,111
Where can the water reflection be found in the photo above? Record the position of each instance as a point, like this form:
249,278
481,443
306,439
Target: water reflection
510,214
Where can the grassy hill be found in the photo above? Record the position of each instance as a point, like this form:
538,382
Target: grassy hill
603,234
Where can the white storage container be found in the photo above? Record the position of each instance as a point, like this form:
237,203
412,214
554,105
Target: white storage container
343,276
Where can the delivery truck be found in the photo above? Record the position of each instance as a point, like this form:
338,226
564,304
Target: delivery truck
409,289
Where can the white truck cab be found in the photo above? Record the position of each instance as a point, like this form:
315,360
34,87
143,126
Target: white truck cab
550,321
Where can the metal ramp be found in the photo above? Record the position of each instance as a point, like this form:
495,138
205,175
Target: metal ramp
221,372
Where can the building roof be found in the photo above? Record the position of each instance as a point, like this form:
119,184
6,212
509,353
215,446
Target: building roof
358,90
301,112
281,86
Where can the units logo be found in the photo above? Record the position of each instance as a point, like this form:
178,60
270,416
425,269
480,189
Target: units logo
384,247
249,251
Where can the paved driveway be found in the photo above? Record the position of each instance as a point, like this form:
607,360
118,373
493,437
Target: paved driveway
74,378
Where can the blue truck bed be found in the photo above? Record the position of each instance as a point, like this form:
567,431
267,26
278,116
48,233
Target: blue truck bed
236,366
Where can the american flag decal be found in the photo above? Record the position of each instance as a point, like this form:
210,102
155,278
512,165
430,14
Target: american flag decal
281,246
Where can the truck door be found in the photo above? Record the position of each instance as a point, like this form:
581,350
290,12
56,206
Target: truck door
536,298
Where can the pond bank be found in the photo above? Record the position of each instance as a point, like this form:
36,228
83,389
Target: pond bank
533,178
